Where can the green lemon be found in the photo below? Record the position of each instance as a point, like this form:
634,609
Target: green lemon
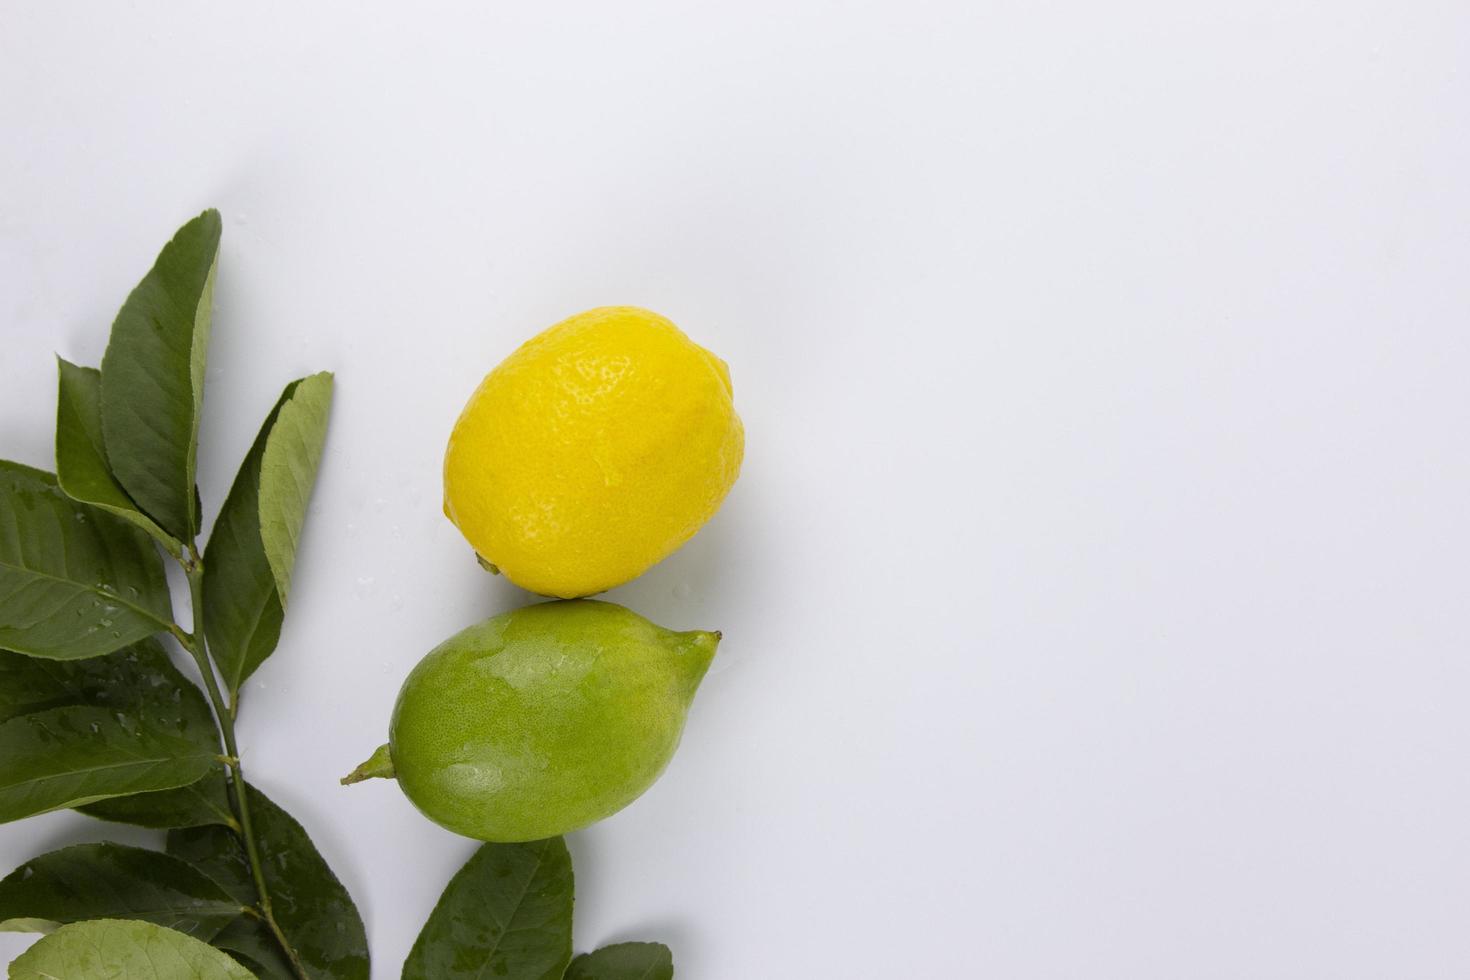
542,720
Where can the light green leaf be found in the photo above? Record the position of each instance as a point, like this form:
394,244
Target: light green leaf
74,580
507,913
243,604
153,378
121,948
624,961
67,757
200,804
81,462
288,470
110,881
310,904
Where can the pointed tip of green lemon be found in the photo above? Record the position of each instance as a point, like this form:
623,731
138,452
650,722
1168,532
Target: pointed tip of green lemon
378,766
698,648
706,639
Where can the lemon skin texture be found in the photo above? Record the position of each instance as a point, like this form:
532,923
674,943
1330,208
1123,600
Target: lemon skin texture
542,720
593,452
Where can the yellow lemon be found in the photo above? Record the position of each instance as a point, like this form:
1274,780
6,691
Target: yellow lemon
592,452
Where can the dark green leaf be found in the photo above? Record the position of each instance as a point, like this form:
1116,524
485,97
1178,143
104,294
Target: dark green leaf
256,970
199,804
624,961
249,941
74,580
217,852
153,378
242,601
110,881
507,913
309,903
288,472
81,462
138,679
119,948
67,757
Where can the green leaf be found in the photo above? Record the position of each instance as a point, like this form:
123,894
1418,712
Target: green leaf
110,881
242,610
249,941
139,678
288,470
67,757
308,902
84,730
199,804
74,580
624,961
153,378
507,913
217,852
243,597
81,462
120,949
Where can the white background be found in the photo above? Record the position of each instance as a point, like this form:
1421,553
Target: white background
1095,591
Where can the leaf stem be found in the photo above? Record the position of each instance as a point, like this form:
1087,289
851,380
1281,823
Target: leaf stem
225,717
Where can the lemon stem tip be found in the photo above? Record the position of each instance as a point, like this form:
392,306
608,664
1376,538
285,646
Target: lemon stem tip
379,766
